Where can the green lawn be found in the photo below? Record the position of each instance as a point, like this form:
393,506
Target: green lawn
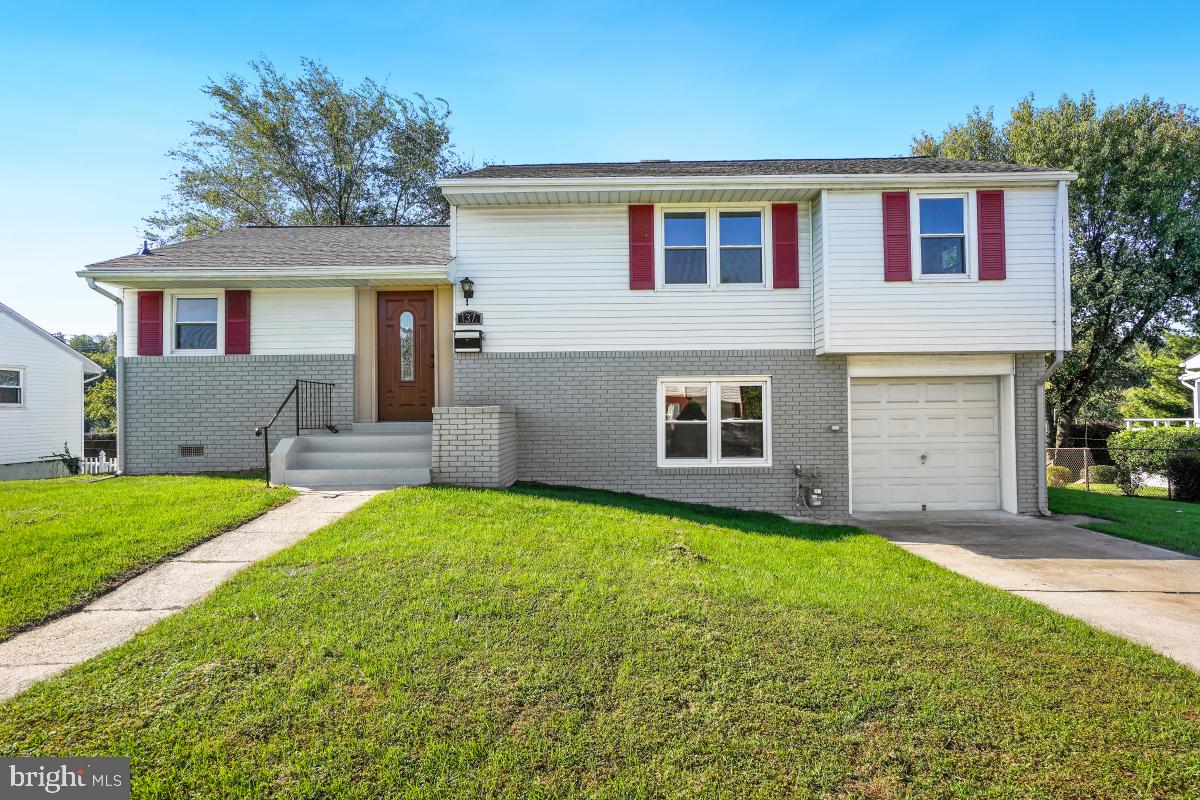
1159,522
534,642
63,541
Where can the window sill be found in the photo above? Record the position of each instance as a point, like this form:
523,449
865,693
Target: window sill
720,465
943,278
706,287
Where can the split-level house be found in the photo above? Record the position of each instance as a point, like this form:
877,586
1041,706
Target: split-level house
740,333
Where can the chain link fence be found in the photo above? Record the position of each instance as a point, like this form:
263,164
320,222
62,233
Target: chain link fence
1172,474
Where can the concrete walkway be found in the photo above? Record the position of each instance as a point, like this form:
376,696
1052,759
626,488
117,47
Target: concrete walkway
133,606
1143,593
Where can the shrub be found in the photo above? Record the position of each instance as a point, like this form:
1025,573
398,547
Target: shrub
1183,471
1058,476
1147,450
1102,473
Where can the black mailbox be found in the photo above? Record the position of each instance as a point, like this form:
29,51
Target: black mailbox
468,341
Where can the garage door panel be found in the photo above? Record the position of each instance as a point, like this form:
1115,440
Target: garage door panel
952,422
896,392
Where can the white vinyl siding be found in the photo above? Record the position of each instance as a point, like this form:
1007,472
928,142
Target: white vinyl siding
282,321
557,279
51,409
866,314
286,321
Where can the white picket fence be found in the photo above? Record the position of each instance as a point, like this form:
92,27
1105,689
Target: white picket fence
97,466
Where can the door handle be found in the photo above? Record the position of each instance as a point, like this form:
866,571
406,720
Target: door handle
924,457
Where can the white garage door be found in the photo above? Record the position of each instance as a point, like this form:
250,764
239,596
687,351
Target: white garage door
929,444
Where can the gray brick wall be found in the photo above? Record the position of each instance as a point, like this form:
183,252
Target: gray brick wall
1029,370
475,445
217,402
588,419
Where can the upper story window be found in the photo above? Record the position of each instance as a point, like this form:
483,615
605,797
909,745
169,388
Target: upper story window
12,386
942,230
695,239
741,246
195,323
685,247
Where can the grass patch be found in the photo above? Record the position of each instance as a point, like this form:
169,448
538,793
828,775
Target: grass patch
1164,523
535,642
65,540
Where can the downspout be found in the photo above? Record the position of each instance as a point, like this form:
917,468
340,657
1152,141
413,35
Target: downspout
1062,334
91,282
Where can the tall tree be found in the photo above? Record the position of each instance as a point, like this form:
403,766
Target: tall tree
308,150
1135,222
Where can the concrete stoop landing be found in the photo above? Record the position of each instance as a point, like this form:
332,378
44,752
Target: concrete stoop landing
372,455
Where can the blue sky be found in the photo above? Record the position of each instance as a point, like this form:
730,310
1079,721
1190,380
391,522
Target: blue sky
95,94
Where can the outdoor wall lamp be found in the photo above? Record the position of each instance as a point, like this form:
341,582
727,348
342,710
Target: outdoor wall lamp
468,289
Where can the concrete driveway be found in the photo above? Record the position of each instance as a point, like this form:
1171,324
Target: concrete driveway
1143,593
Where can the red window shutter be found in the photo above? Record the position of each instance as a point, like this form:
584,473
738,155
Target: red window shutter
990,205
785,245
237,321
897,238
641,247
150,324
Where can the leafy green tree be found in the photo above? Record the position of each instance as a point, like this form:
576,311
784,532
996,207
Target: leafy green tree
308,150
99,396
1164,396
1135,222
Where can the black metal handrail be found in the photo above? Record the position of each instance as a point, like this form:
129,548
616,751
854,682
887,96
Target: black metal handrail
314,410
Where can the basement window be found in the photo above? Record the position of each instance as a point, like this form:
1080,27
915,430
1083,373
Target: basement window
722,422
191,450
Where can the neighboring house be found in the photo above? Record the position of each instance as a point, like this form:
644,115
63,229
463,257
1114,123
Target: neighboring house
41,398
692,330
1191,379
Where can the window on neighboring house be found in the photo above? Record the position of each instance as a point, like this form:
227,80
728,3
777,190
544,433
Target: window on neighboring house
195,323
741,246
714,422
685,247
943,235
12,387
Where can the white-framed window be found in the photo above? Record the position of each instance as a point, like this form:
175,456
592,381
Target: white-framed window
195,324
12,387
942,235
713,246
709,421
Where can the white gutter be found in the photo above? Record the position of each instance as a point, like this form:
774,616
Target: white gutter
1062,330
475,185
91,282
424,271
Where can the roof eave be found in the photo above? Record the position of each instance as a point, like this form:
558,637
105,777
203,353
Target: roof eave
433,273
473,185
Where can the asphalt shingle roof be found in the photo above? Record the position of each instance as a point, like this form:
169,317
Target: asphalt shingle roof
911,165
298,246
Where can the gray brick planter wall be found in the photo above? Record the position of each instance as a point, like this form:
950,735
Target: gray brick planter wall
217,402
475,445
588,419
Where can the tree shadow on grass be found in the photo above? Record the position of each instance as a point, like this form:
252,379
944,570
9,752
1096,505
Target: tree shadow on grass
759,522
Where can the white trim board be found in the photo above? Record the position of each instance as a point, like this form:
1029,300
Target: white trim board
930,366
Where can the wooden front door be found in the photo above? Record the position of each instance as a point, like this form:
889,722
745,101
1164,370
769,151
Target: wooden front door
405,356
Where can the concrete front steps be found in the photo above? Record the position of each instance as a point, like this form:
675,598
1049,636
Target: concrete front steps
371,455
